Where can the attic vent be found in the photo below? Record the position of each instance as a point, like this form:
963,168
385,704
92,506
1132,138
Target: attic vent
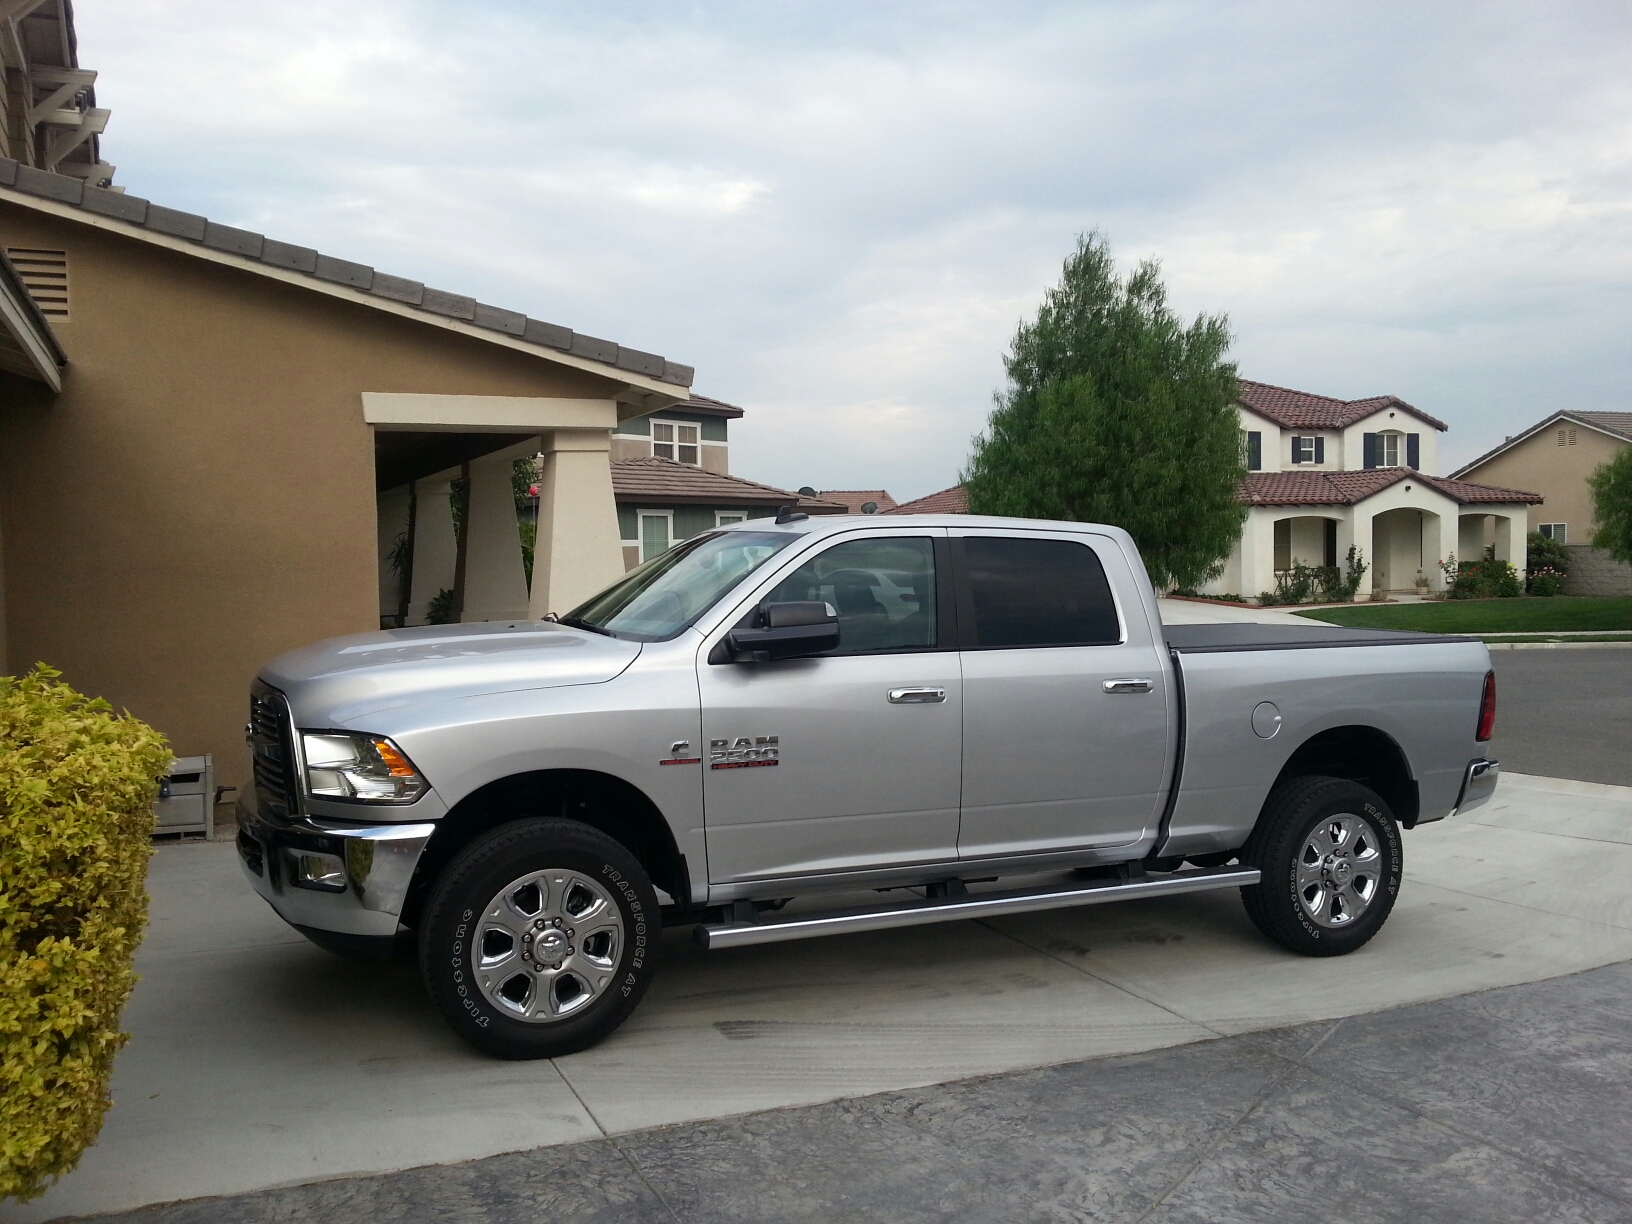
45,275
1566,437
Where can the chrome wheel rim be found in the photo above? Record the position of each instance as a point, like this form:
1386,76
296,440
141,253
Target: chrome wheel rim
1340,869
548,945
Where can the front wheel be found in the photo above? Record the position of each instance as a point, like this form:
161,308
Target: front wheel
539,938
1329,853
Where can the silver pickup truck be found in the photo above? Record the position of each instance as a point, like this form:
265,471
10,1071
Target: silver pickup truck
949,716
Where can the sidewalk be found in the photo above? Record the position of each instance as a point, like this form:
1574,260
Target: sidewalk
259,1061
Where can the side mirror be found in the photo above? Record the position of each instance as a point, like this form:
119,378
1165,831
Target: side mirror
785,631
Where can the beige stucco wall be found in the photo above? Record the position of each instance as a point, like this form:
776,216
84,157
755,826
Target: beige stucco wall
1559,473
201,497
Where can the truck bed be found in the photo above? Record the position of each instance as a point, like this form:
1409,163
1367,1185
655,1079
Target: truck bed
1215,639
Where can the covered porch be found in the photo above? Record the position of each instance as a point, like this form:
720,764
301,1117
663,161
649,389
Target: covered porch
450,546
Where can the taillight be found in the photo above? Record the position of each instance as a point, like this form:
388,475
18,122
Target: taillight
1487,709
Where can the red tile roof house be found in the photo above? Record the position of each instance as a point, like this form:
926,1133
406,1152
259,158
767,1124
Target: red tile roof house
1326,473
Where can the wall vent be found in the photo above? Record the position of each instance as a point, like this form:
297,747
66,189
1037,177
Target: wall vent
45,275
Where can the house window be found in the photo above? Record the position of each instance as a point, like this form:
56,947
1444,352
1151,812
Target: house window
1388,446
1308,450
722,517
1252,450
676,440
656,532
1555,531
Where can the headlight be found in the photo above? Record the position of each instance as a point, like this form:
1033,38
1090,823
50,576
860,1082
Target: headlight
361,768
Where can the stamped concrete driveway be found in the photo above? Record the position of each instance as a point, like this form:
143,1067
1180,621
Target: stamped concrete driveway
259,1061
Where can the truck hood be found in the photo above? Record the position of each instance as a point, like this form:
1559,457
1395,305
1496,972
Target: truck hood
333,682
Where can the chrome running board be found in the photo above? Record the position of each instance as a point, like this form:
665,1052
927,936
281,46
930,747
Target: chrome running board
987,905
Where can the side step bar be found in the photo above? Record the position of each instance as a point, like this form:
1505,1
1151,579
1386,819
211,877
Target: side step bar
988,905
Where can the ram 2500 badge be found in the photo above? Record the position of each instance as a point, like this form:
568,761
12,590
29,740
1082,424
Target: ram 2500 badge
976,716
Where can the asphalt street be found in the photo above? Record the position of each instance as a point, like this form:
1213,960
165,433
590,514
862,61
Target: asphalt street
1565,713
1507,1105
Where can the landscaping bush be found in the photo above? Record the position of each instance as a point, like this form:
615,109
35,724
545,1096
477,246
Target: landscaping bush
1544,553
1545,581
1317,583
77,784
1487,578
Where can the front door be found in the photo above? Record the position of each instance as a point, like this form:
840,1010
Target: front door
850,759
1054,757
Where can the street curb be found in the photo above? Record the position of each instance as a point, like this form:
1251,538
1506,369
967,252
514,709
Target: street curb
1556,645
1567,786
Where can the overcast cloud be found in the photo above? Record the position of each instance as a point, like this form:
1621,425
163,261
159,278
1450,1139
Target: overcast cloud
839,212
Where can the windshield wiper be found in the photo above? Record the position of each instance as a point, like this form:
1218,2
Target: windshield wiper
578,622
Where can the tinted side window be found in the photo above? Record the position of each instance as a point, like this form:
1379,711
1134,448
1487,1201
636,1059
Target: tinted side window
1038,593
882,589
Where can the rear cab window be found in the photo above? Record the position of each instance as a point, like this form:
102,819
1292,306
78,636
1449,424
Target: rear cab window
1026,591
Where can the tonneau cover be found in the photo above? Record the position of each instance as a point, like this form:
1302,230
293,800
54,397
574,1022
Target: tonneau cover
1212,639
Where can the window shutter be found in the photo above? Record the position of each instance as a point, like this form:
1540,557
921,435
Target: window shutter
1413,450
1297,450
1255,451
1331,543
1320,450
1369,448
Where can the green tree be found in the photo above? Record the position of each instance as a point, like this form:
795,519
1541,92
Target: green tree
1612,505
1118,412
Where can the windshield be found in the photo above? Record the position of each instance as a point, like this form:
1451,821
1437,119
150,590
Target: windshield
657,600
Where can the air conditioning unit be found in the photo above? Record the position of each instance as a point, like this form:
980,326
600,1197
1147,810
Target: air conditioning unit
186,802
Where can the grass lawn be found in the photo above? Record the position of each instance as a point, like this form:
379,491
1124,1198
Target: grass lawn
1485,615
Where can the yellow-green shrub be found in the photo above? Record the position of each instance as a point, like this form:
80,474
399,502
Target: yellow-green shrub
77,784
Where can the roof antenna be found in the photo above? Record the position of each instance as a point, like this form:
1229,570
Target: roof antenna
787,514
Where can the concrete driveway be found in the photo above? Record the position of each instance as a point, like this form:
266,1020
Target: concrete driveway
259,1061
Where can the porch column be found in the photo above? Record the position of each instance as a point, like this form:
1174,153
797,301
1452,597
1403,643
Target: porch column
1504,543
436,550
1433,536
1470,541
1258,552
579,551
495,579
1360,535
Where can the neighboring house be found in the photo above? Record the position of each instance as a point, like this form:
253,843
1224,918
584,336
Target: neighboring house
662,501
214,444
947,501
860,501
1555,457
1324,474
692,432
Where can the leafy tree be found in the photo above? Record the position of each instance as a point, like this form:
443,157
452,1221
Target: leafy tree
1118,412
1612,505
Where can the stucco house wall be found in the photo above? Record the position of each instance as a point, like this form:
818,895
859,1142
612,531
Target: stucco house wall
1558,472
201,497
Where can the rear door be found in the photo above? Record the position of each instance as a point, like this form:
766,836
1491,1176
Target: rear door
849,760
1065,740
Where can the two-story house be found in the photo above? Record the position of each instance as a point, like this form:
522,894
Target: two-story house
1324,474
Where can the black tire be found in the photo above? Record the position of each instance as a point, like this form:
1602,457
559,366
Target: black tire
460,930
1303,815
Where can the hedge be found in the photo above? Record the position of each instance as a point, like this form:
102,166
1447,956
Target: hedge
77,784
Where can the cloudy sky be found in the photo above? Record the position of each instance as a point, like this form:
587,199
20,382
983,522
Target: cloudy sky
838,212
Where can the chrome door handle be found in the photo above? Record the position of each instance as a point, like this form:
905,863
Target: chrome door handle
1128,686
916,696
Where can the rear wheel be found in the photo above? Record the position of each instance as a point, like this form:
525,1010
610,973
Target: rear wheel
539,939
1329,853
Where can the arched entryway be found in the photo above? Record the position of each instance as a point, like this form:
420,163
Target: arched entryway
1305,539
1405,546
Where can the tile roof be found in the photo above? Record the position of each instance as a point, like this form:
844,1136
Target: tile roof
663,482
135,211
1301,410
1350,488
1616,424
709,407
948,501
855,499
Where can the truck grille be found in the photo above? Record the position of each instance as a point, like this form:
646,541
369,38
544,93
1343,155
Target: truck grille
271,750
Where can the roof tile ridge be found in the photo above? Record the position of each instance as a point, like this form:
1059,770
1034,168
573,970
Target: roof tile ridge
247,244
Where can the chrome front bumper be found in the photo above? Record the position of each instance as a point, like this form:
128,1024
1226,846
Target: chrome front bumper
378,859
1478,785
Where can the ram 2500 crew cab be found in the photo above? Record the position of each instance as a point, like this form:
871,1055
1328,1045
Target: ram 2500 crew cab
972,716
